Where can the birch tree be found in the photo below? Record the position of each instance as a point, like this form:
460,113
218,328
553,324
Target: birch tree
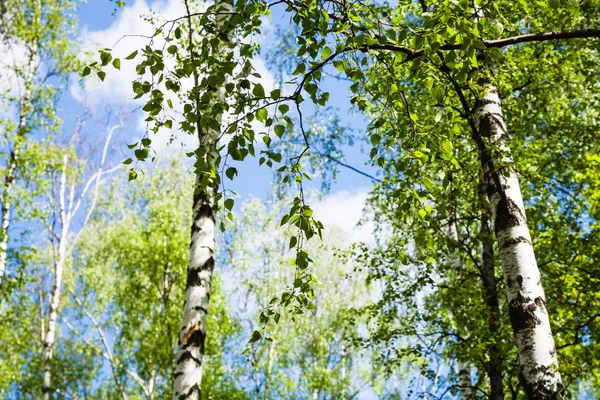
435,52
35,39
192,335
312,356
131,268
221,74
68,199
437,47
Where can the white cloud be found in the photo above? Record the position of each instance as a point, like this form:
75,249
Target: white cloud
343,210
116,89
128,30
14,55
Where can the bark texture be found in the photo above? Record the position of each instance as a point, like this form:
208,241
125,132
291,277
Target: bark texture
192,335
464,368
59,263
491,300
527,301
13,158
188,368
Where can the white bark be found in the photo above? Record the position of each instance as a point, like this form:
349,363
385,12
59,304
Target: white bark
188,368
59,263
491,299
270,361
527,301
343,367
67,208
13,159
464,368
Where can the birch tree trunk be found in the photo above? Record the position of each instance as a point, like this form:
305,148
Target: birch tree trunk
13,159
188,367
464,374
50,336
270,361
491,299
67,209
526,298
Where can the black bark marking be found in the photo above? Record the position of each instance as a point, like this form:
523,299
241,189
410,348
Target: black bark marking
484,102
200,308
202,209
509,282
521,311
514,241
540,303
190,393
494,367
508,215
187,355
520,281
196,339
541,389
193,276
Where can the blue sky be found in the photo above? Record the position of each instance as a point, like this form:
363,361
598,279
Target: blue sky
99,26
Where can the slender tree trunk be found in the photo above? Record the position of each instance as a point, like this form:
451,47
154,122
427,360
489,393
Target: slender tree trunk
13,158
50,337
270,361
464,374
491,300
527,301
188,368
464,380
343,369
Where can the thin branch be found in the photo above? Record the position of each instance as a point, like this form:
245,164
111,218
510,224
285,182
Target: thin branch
350,167
108,353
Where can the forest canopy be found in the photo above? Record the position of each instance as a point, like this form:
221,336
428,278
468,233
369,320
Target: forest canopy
299,199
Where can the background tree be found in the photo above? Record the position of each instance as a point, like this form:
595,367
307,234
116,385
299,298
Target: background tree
39,55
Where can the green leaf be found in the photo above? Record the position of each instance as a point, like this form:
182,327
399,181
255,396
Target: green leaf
132,175
447,147
255,337
455,163
132,55
86,71
262,114
117,63
258,91
275,94
300,69
279,130
375,139
231,172
229,204
101,75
